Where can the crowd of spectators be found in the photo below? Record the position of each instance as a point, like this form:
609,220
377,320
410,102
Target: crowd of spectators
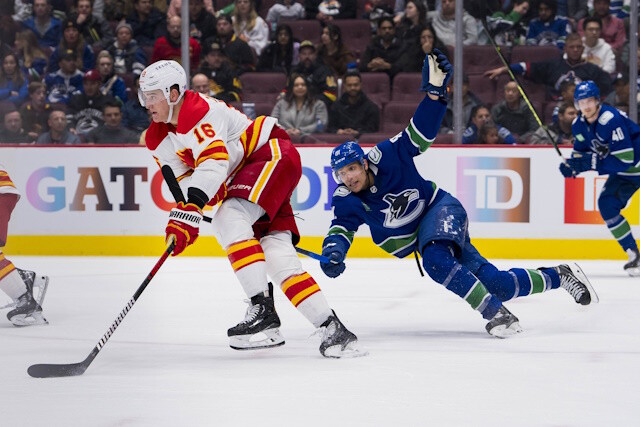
69,69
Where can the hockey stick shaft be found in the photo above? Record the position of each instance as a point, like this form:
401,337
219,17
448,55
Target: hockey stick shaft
72,369
176,191
521,90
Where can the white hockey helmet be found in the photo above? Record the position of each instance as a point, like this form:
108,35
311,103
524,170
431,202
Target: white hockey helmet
162,75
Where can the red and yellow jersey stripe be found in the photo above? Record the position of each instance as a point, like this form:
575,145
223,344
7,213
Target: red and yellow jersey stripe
299,287
245,253
6,266
6,185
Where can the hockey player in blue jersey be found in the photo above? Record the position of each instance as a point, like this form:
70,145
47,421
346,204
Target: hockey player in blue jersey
407,213
608,142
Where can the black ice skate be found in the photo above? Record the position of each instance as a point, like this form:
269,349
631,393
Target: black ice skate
633,266
574,281
337,340
503,324
36,284
259,329
27,312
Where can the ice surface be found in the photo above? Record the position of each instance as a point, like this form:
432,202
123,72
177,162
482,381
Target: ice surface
430,363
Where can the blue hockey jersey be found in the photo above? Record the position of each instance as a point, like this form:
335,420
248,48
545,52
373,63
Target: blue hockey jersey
394,205
614,137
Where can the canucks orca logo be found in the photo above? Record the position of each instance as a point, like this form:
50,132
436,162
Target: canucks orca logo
600,147
401,210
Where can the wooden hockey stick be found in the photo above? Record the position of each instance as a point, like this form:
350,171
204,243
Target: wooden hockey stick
46,370
176,191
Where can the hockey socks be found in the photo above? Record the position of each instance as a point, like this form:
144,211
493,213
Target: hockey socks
517,282
305,295
10,280
248,262
621,231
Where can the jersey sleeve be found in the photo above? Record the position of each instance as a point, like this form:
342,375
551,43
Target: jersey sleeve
347,217
620,149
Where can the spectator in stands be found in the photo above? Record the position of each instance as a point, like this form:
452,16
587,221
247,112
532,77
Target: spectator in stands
286,10
250,27
33,61
134,115
480,116
613,31
575,11
84,111
489,134
469,101
35,112
200,84
354,113
620,94
112,83
176,5
412,59
333,52
552,73
169,46
299,112
281,55
508,29
444,22
375,10
73,40
21,10
114,10
320,79
126,54
327,10
384,50
548,28
567,89
12,132
560,130
222,77
112,132
58,132
203,23
147,22
412,23
66,81
233,47
48,30
596,50
13,82
95,29
514,113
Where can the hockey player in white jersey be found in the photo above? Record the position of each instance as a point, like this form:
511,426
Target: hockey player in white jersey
24,287
220,155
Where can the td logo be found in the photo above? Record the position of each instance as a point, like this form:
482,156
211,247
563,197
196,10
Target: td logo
494,189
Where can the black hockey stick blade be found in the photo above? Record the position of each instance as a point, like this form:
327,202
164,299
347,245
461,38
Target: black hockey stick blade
46,370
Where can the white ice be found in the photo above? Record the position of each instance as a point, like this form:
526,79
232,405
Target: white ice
431,363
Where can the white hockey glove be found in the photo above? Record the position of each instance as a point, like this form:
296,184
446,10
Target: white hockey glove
436,73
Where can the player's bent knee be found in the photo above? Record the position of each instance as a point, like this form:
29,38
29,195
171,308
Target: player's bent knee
438,260
609,207
282,258
233,223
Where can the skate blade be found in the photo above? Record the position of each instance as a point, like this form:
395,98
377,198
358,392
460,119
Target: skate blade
34,319
583,278
633,271
502,331
351,350
265,339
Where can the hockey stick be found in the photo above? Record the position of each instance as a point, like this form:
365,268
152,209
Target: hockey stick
45,370
176,191
522,92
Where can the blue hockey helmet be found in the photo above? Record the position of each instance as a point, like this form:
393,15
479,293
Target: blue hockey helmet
345,154
585,90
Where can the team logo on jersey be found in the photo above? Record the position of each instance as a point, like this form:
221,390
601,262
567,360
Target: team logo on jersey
402,210
600,147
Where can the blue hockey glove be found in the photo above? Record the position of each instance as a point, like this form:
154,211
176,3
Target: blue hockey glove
566,170
581,162
436,73
335,249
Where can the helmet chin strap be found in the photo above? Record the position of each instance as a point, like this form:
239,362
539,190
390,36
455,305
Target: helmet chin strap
171,104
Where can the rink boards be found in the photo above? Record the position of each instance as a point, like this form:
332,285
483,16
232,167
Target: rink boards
112,201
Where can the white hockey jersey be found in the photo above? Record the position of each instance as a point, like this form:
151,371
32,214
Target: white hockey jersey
6,185
210,143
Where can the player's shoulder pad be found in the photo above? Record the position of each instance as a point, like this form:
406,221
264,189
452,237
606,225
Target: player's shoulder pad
155,134
375,155
342,191
605,117
193,109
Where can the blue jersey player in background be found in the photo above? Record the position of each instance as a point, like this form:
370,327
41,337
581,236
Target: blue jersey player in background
407,213
608,142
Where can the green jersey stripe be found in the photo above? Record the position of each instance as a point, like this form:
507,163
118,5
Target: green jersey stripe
476,295
537,281
417,138
396,244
